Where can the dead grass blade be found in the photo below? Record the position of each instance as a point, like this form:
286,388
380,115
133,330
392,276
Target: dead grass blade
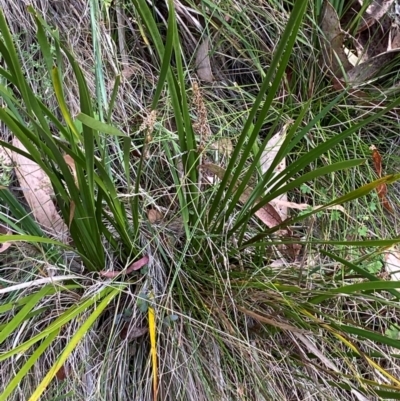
272,322
153,349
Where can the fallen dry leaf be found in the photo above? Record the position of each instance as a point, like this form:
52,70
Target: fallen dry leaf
131,333
377,161
374,40
223,146
334,56
394,39
392,263
62,373
5,245
267,214
381,189
266,160
71,164
372,45
71,213
304,206
375,11
154,216
38,193
371,68
134,266
203,66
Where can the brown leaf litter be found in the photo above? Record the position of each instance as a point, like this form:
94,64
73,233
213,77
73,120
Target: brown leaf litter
39,194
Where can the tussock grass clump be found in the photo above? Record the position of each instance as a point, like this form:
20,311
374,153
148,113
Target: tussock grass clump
178,278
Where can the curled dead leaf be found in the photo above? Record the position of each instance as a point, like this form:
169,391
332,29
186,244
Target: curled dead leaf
71,164
377,160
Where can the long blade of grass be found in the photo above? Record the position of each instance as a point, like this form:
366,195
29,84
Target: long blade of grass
357,193
63,319
21,315
98,125
28,364
59,92
270,84
296,184
184,128
153,349
353,266
81,332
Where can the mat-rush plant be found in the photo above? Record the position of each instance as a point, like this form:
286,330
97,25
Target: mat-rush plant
87,198
211,214
97,207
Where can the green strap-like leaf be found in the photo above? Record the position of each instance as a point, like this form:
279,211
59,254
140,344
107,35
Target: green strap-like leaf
99,126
